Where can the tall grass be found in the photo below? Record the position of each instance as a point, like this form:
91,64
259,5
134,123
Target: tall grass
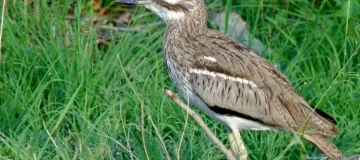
62,96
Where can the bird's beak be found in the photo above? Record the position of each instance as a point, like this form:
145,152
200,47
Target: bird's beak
134,2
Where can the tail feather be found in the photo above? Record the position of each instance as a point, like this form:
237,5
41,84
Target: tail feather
325,145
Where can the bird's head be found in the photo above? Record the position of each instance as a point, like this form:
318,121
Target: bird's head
172,10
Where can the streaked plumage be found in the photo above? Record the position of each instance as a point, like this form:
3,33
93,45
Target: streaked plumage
230,82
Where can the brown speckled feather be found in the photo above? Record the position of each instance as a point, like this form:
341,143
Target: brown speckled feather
273,101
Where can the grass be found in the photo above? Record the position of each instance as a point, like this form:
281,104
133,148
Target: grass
62,96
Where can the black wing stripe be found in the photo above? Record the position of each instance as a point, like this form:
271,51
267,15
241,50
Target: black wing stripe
325,115
224,111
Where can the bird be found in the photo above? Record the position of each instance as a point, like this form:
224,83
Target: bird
232,83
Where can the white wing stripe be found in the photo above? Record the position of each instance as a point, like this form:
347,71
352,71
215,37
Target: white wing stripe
224,76
212,59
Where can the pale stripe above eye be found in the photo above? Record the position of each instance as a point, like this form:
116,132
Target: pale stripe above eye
224,76
172,1
165,13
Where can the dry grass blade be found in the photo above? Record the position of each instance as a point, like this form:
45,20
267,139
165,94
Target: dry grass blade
142,110
2,25
183,134
160,138
125,134
229,155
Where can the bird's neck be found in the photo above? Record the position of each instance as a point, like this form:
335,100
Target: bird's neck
192,24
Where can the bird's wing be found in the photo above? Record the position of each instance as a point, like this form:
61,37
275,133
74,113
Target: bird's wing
232,79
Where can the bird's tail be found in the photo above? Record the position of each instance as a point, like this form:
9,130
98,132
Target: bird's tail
325,145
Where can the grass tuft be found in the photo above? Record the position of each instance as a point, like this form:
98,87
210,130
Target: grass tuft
62,96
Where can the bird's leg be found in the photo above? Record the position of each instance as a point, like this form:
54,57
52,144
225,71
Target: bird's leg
237,144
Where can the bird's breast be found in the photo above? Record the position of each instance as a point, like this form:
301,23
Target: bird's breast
178,73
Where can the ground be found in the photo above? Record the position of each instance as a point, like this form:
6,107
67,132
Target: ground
74,89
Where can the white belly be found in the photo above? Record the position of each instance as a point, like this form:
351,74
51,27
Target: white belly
238,123
234,123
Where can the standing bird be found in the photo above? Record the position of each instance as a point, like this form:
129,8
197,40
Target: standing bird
230,82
